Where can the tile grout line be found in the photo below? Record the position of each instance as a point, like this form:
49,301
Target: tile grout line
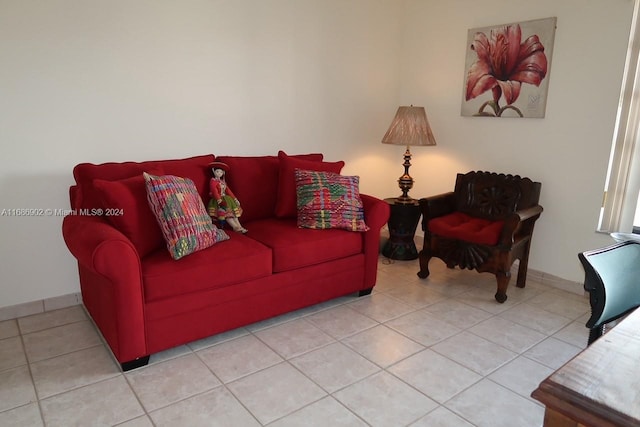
33,383
223,384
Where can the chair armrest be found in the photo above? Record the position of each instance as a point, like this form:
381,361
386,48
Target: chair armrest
531,212
520,223
376,215
435,206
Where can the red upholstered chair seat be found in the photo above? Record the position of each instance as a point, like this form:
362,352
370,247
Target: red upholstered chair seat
458,225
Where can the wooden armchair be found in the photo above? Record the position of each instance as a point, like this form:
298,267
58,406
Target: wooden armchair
485,224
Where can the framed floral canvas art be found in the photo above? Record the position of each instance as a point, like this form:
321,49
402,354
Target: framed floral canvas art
507,69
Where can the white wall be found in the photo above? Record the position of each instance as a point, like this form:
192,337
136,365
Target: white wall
96,81
567,150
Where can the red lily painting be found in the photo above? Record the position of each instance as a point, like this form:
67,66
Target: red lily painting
504,63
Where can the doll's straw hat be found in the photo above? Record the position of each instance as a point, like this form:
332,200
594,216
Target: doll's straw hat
219,165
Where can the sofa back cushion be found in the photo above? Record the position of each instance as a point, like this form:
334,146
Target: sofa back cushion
125,206
85,196
254,180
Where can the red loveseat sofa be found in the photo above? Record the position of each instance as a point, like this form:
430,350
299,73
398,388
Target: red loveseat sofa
143,301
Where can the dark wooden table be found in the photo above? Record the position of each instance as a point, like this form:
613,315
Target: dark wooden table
600,387
402,223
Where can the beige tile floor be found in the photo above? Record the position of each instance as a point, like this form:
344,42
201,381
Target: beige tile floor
438,352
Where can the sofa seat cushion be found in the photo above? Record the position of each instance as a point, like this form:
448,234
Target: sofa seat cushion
295,247
461,226
232,261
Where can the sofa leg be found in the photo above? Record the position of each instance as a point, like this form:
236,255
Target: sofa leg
133,364
365,292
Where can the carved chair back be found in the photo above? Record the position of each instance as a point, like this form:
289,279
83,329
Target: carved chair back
494,196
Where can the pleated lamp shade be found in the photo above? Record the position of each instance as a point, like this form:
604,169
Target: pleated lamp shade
409,127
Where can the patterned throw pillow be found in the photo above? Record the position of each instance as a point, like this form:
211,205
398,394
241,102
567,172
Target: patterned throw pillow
286,201
329,200
183,219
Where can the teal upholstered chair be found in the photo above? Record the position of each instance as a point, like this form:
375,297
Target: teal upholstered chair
612,278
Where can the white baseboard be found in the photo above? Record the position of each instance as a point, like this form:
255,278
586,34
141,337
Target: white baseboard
40,306
551,280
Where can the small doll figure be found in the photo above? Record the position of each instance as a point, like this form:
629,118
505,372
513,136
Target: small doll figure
224,205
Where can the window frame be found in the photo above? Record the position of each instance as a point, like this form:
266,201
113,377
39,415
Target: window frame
622,186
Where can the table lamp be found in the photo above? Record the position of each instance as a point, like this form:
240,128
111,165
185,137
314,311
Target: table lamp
409,127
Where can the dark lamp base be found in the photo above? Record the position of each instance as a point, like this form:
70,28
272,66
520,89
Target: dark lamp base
405,182
406,200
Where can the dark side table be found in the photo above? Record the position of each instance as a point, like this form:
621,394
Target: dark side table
403,222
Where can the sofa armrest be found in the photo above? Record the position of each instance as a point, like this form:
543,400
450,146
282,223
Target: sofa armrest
376,215
111,283
94,242
376,211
